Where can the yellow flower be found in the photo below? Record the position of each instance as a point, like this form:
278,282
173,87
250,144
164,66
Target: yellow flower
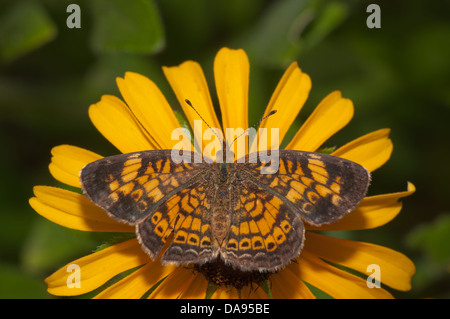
145,122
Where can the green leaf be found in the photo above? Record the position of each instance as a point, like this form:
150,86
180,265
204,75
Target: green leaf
433,240
292,26
274,40
24,28
115,238
210,290
327,19
182,120
265,285
327,150
126,26
317,292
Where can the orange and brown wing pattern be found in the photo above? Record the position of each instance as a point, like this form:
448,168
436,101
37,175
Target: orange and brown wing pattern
268,211
129,187
185,215
321,188
265,234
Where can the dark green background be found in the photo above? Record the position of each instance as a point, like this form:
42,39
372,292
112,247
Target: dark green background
397,77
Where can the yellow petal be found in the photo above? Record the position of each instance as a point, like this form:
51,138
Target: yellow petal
396,269
196,290
177,282
332,114
150,108
96,269
373,211
73,210
287,285
117,124
287,99
371,150
231,74
335,282
188,82
67,161
136,284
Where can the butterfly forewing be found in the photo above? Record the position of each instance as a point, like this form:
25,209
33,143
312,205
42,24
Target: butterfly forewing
130,186
320,188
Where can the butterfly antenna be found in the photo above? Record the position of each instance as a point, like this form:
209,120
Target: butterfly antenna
190,104
255,125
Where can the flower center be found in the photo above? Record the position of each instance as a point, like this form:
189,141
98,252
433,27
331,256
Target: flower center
220,274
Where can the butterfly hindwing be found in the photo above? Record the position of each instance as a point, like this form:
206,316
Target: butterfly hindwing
185,215
265,234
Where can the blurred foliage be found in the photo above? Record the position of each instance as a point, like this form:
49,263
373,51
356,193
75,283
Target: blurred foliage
139,31
24,28
397,77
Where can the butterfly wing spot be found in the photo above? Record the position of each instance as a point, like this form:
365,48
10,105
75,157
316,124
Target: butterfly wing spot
114,197
205,242
156,217
257,243
307,208
141,205
336,200
286,226
196,224
130,173
133,159
312,197
315,161
161,227
232,244
323,191
187,222
180,237
114,185
244,244
244,229
126,189
193,239
137,194
270,243
335,187
279,235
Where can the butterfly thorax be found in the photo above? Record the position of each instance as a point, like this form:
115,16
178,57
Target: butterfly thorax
223,174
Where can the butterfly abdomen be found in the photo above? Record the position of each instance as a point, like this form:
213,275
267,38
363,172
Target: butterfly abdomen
221,215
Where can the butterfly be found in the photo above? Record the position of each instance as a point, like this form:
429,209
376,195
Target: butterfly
232,212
